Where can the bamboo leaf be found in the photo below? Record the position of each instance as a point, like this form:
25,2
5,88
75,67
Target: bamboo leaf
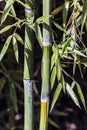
56,95
5,47
58,26
18,87
25,5
15,48
81,95
79,53
63,82
18,37
65,12
6,28
57,10
42,18
53,60
53,123
6,10
73,84
74,66
2,83
38,34
13,95
12,10
53,77
66,44
72,94
84,13
58,69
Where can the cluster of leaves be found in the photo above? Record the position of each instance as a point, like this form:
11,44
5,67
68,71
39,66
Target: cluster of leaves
70,51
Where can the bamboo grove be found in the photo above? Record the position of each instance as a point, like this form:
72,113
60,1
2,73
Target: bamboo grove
58,28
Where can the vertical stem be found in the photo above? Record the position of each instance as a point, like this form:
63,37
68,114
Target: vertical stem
45,66
28,71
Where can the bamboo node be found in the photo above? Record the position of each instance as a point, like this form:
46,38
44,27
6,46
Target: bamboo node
29,10
45,99
45,43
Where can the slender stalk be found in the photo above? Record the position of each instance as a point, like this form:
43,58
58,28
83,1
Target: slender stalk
28,71
45,66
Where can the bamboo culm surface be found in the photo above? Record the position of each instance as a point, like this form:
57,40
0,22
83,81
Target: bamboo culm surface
28,72
45,66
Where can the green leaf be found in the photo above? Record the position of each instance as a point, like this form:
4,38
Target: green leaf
13,96
42,18
63,82
15,48
65,12
12,10
6,28
56,95
30,3
18,87
81,95
5,47
57,10
6,10
53,60
53,123
38,34
78,52
66,44
73,84
53,77
58,69
18,37
58,26
2,83
84,13
72,94
74,66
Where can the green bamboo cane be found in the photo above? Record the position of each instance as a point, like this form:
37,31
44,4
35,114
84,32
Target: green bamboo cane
28,71
45,66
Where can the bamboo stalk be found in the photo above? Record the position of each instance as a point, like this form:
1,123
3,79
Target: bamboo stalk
45,66
28,71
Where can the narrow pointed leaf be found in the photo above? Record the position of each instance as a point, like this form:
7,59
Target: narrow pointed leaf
42,18
66,44
6,28
12,10
25,5
53,77
72,94
38,34
53,123
18,37
53,60
18,87
65,12
6,10
58,69
58,26
2,83
84,13
63,82
79,53
57,10
81,95
15,48
13,95
5,47
56,95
